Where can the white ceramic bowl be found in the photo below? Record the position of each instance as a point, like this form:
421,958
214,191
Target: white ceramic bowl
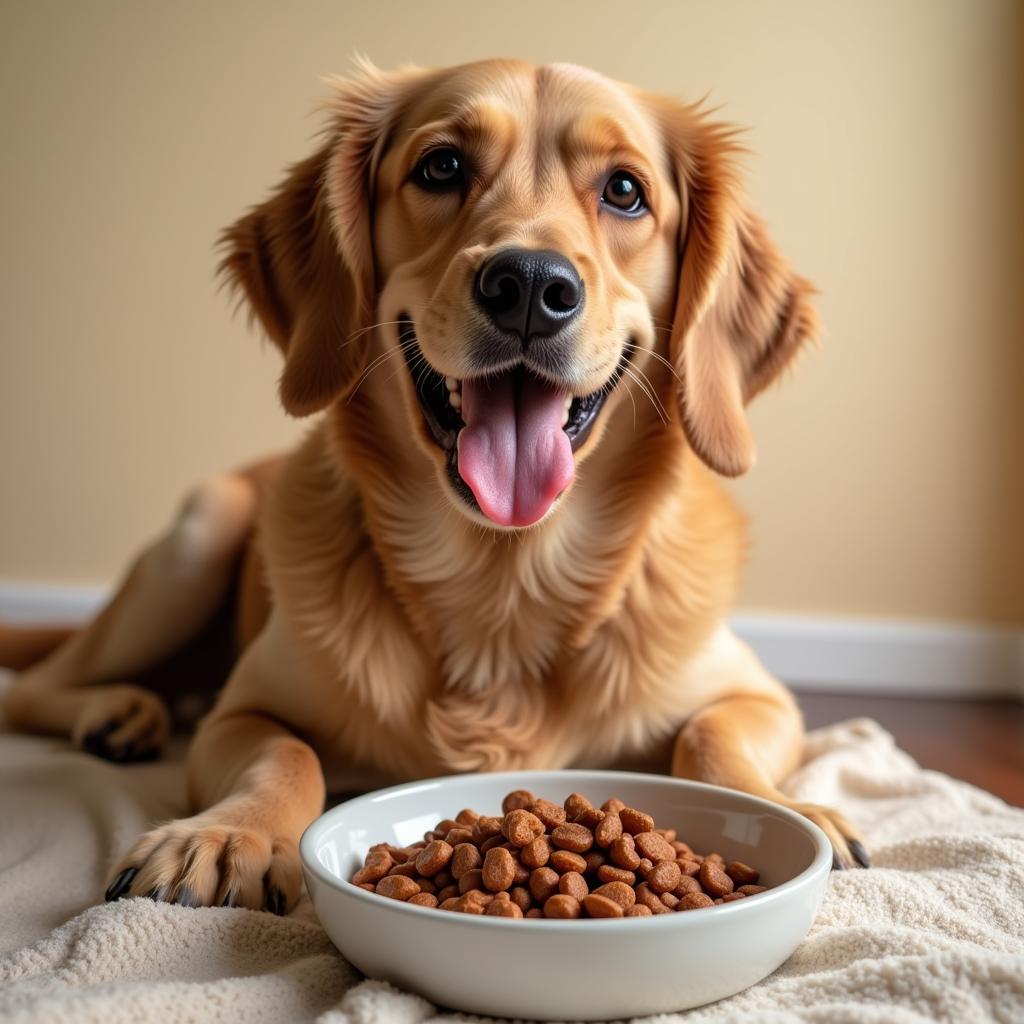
570,970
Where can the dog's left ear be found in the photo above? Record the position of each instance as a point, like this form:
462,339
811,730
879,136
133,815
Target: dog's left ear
741,313
304,258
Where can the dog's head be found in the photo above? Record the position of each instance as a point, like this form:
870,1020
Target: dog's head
530,242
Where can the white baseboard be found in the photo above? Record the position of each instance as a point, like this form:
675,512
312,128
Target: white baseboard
828,654
888,657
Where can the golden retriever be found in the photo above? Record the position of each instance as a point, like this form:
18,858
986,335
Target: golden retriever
532,304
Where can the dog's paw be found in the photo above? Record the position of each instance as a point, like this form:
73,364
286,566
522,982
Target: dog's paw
122,723
206,862
847,849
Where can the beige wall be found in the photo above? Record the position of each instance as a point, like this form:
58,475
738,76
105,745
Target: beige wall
887,157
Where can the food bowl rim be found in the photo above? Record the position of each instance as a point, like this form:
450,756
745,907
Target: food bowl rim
820,865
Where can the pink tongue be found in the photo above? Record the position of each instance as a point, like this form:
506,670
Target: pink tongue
513,452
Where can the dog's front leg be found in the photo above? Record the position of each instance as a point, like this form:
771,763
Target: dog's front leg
751,742
260,786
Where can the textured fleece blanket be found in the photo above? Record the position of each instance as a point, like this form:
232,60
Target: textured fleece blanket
933,932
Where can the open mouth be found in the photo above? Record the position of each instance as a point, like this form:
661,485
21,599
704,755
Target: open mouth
509,436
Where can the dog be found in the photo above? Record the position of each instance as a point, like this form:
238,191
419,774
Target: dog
531,304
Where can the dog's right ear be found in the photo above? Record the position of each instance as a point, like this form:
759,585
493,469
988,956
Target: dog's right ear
304,258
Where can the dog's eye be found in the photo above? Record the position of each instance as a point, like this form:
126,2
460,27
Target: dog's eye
623,193
440,168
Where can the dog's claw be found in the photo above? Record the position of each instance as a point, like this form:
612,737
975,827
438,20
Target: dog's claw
185,897
229,898
860,855
275,901
95,742
837,864
119,886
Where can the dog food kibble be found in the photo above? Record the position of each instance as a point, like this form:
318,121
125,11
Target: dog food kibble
542,859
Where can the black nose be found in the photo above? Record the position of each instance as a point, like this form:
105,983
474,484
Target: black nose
532,294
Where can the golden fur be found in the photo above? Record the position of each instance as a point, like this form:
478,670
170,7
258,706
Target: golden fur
401,634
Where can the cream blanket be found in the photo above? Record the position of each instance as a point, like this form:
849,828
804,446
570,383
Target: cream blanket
934,932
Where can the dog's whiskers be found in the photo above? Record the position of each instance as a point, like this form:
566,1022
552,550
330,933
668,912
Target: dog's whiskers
633,347
379,361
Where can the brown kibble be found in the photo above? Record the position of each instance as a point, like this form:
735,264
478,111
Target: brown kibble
408,869
597,905
494,841
607,830
544,860
649,899
484,827
713,879
623,853
378,864
517,800
549,813
536,853
566,860
664,876
687,884
471,880
562,905
741,874
397,887
543,884
423,899
458,835
589,818
694,901
499,870
575,803
573,884
521,897
433,858
465,857
606,873
619,892
576,838
654,847
520,827
502,908
634,821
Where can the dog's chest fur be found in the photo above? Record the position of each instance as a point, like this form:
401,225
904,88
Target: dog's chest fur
443,647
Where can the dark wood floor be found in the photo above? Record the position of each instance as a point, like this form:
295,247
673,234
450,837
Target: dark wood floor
980,741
